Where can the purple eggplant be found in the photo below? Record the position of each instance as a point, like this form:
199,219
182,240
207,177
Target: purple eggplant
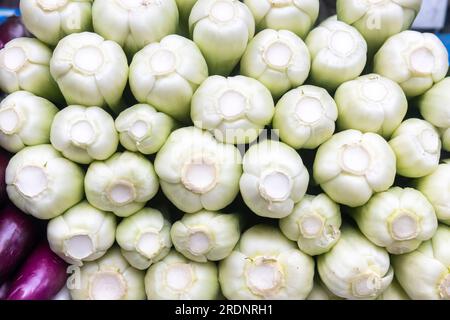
17,237
41,277
4,159
4,288
12,28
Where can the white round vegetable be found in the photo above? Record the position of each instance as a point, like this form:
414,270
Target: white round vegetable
109,278
445,137
417,147
266,265
352,166
90,70
222,30
205,235
82,233
196,172
314,224
355,268
338,52
42,183
278,59
25,120
234,109
414,60
24,65
122,184
144,238
134,24
274,179
177,278
394,292
371,103
51,20
320,291
84,134
305,117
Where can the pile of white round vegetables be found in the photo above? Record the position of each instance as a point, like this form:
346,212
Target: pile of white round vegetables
215,102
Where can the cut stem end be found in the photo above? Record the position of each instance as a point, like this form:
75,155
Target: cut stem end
88,59
355,159
179,277
309,110
199,242
79,247
199,176
275,186
311,226
10,121
404,226
264,277
107,285
14,58
278,55
122,193
232,104
31,181
149,244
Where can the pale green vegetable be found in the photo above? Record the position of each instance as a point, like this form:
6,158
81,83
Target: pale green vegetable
425,273
205,235
122,184
436,187
397,219
355,268
84,134
274,179
371,103
297,16
167,73
417,147
338,52
352,166
305,117
278,59
266,265
109,278
144,238
142,128
378,20
314,224
177,278
184,9
394,292
134,24
222,30
445,137
51,20
234,109
24,65
414,60
82,233
25,120
196,172
321,292
42,183
90,70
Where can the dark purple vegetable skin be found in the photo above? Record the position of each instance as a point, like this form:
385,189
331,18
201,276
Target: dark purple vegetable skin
4,159
9,3
4,288
12,28
41,277
17,238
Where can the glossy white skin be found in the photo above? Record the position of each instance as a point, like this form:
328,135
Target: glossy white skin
272,157
333,60
393,61
377,21
52,24
103,84
168,89
295,129
158,127
133,25
297,16
34,115
131,229
64,182
421,272
105,138
417,147
291,71
354,257
354,188
126,167
204,284
371,103
394,292
85,220
266,243
244,127
114,264
436,187
321,207
222,230
222,42
192,144
34,74
375,219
